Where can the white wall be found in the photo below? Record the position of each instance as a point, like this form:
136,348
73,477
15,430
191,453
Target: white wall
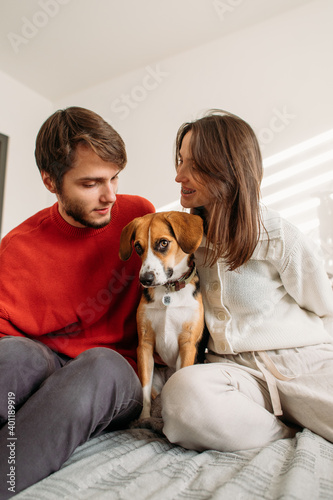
279,68
22,113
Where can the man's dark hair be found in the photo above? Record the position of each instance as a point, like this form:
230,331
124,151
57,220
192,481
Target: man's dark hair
59,136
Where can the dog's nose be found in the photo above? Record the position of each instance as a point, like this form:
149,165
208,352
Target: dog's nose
147,278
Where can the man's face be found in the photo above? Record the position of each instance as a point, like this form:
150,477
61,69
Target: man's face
88,190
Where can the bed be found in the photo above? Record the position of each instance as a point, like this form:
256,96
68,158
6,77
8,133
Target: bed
140,463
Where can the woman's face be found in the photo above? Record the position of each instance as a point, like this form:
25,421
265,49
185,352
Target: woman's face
193,192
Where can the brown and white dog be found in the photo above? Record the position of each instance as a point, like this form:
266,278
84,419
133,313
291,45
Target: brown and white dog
170,314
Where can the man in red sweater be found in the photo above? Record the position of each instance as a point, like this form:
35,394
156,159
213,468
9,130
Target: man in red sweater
67,305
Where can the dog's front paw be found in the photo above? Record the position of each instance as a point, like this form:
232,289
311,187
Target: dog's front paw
141,422
145,413
150,418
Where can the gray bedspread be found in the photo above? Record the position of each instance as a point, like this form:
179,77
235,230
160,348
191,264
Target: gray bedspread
140,464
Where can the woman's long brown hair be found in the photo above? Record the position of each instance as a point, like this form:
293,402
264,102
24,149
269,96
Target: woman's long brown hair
227,160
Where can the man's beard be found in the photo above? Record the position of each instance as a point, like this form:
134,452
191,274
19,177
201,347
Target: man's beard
77,212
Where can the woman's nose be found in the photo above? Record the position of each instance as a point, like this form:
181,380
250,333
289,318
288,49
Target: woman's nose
181,174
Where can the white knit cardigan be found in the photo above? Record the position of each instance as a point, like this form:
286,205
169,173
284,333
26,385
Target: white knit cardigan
280,298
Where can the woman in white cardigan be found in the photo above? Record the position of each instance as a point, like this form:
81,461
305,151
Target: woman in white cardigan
268,305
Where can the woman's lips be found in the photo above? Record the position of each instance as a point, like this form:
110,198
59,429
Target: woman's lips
187,191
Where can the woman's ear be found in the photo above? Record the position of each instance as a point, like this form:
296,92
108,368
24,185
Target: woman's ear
48,182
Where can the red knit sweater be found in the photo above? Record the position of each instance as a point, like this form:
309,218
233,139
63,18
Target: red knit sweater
66,286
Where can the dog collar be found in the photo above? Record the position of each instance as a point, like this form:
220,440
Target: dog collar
175,286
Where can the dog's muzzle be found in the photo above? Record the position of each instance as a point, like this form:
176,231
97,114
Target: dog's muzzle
147,279
151,278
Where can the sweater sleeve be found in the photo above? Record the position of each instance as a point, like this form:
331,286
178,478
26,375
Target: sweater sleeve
6,328
304,277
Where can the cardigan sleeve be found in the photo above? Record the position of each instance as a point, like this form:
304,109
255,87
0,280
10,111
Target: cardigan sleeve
304,276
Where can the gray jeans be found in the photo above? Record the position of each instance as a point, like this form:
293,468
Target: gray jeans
50,404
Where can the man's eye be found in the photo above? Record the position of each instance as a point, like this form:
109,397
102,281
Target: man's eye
91,185
138,248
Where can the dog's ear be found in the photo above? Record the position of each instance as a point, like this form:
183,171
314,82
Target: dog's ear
188,229
126,238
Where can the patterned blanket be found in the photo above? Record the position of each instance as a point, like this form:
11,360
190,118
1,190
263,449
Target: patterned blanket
140,464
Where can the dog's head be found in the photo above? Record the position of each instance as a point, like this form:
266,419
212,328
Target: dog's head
163,241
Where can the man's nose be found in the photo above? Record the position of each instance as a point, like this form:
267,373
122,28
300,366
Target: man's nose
108,194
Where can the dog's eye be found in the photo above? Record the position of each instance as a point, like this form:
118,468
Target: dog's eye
163,245
138,248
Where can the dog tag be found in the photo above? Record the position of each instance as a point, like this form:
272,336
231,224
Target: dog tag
166,300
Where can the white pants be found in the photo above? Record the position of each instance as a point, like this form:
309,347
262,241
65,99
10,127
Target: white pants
226,405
